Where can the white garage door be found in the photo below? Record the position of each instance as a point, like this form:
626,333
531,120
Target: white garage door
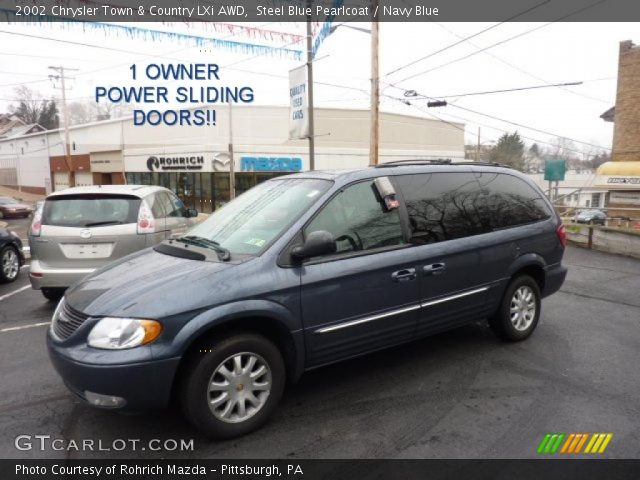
60,181
84,179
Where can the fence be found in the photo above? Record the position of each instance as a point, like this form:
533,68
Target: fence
605,239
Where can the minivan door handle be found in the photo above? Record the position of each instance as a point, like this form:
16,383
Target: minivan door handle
434,269
404,275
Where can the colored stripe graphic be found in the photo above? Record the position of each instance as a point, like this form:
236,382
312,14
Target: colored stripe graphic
573,443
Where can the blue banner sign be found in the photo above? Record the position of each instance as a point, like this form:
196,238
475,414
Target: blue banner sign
270,164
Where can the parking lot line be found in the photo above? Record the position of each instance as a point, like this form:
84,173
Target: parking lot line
12,329
14,292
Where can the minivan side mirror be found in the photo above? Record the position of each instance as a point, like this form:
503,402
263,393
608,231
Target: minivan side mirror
317,243
191,213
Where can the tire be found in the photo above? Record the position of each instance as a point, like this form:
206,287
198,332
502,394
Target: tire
9,264
525,320
203,369
53,294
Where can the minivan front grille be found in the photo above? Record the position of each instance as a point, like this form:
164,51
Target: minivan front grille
67,320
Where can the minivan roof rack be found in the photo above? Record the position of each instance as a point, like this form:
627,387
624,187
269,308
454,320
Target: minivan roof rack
438,161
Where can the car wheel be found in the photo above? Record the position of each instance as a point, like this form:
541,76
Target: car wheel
9,264
519,311
231,386
53,294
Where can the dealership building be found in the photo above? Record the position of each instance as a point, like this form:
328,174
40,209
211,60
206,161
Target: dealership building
194,161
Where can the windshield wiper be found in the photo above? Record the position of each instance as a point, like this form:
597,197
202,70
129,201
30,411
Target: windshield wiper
223,253
108,222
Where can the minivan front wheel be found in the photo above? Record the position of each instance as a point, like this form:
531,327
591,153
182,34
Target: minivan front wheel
519,311
232,386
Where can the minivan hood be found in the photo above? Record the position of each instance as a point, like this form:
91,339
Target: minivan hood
148,284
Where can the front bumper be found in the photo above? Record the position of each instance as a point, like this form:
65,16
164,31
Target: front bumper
143,385
45,277
554,278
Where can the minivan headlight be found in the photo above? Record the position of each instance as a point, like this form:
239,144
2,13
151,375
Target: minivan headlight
113,333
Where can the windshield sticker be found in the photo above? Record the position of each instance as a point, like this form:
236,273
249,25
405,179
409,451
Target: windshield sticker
256,242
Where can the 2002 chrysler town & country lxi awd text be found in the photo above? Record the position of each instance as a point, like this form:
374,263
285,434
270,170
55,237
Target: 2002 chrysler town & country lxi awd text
302,271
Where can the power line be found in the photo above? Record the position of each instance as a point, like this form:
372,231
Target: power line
502,42
505,121
467,120
534,87
513,17
522,70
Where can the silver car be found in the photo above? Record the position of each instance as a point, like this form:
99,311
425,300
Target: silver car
78,230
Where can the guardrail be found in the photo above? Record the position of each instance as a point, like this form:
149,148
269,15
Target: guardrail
606,239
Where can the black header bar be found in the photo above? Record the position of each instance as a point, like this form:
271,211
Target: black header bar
319,10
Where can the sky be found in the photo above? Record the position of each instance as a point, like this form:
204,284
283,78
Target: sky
542,53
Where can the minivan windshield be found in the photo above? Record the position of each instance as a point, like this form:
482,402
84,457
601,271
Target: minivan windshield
249,223
90,210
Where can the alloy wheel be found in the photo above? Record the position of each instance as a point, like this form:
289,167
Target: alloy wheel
522,308
10,264
239,387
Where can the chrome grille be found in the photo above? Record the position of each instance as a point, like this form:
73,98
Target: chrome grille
67,320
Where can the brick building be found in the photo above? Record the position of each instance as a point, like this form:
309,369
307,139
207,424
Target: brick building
622,174
626,133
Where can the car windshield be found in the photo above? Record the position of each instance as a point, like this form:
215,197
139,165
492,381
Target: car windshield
249,223
89,210
7,201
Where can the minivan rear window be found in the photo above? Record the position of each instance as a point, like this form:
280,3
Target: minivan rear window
90,210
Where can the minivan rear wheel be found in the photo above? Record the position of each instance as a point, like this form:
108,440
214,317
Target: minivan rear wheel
53,294
519,311
231,386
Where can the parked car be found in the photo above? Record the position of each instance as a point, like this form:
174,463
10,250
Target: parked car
592,217
12,208
79,230
302,271
11,256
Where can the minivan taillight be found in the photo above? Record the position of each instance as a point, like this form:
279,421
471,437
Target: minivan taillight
146,222
36,224
562,235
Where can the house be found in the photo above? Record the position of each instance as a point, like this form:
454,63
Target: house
12,126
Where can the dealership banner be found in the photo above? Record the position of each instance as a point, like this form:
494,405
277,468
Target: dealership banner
301,469
299,103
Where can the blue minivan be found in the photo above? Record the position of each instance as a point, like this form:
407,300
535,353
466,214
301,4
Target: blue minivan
302,271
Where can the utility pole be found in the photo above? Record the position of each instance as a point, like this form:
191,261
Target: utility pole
61,76
478,149
375,89
232,167
312,142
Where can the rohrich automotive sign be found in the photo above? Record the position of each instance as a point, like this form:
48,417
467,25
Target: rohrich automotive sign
198,161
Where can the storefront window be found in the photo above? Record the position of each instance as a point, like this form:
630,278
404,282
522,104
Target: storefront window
244,181
220,189
206,205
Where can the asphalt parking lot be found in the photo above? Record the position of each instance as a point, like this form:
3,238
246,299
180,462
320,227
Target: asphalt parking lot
462,394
